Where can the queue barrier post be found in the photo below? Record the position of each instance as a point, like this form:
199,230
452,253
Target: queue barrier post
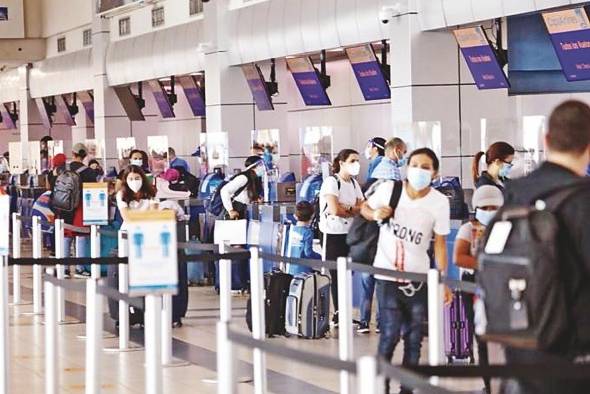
4,330
258,319
435,318
367,377
37,269
51,359
60,269
94,251
226,383
153,345
345,341
94,326
167,360
16,253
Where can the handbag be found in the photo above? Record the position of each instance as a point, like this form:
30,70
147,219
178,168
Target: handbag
233,231
363,236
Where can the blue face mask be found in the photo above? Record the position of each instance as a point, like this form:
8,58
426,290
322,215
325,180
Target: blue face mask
419,178
484,217
402,162
505,170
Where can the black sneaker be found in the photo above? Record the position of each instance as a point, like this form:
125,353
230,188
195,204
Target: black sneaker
363,328
335,320
377,329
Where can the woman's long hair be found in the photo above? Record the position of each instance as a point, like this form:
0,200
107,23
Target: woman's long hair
146,191
497,151
254,186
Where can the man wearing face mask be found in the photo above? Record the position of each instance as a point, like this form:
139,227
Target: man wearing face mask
391,165
374,152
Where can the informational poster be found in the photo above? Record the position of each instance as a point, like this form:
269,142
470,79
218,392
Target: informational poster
95,208
5,223
257,87
194,93
153,256
368,72
570,35
162,99
308,81
480,58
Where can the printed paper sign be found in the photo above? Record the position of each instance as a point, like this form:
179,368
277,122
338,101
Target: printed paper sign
570,35
480,58
308,82
5,223
153,255
96,204
368,72
257,87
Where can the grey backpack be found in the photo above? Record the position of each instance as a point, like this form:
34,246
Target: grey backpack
67,190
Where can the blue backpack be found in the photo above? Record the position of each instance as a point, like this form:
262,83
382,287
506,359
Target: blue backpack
215,205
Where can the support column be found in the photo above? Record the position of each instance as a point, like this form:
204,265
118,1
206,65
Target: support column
26,105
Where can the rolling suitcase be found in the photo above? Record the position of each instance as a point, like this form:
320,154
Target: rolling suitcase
276,290
308,306
458,337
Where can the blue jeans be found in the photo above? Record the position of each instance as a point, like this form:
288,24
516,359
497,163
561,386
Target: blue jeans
82,250
366,302
400,316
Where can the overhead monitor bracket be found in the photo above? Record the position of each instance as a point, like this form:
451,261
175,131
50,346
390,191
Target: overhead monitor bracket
272,86
322,74
386,68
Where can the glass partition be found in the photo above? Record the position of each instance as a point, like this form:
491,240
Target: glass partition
266,143
158,153
217,150
316,149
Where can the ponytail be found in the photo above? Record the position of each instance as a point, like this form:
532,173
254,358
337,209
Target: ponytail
475,166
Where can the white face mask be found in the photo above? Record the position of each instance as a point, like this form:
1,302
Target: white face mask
419,178
485,217
353,168
136,162
135,185
368,153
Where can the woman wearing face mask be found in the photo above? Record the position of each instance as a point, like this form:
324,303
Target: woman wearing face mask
140,159
136,192
498,158
486,201
243,189
340,201
421,214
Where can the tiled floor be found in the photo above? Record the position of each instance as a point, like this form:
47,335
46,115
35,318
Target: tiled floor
124,372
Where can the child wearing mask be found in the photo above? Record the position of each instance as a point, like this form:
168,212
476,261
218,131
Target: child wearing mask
301,238
487,200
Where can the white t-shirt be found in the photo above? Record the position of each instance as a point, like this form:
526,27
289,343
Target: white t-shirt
348,195
405,239
140,205
468,233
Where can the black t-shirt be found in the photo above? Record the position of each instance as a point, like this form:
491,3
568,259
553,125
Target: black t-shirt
574,241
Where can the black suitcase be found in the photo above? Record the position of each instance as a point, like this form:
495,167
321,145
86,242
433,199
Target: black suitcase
276,289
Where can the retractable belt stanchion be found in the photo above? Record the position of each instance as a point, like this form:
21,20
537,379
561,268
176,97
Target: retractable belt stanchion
167,360
367,378
94,326
123,270
16,253
226,382
4,334
60,269
435,320
345,321
37,269
153,345
51,359
258,320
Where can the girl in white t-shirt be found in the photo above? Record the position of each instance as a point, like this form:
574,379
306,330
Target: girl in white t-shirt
421,214
136,193
487,200
340,201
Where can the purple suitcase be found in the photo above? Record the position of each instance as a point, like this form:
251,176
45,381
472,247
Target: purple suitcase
458,335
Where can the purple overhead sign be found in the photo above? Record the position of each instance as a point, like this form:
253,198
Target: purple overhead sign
162,100
480,58
257,87
368,72
194,94
88,104
308,81
7,120
570,34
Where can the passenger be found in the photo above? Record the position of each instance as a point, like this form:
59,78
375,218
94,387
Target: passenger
243,189
177,161
374,152
301,238
340,201
498,157
140,159
422,213
164,182
95,165
4,165
486,202
568,155
394,159
136,193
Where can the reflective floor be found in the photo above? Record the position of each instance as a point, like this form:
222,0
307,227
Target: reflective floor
194,342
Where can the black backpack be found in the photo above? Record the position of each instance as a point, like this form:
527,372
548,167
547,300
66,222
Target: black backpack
215,205
523,291
363,236
188,182
67,190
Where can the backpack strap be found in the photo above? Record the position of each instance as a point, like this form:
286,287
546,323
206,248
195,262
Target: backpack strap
396,194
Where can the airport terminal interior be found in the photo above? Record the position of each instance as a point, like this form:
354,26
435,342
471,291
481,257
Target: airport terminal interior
294,196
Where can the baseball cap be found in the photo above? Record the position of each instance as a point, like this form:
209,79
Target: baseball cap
487,195
59,160
79,147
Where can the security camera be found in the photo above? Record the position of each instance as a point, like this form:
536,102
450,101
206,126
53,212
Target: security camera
388,12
